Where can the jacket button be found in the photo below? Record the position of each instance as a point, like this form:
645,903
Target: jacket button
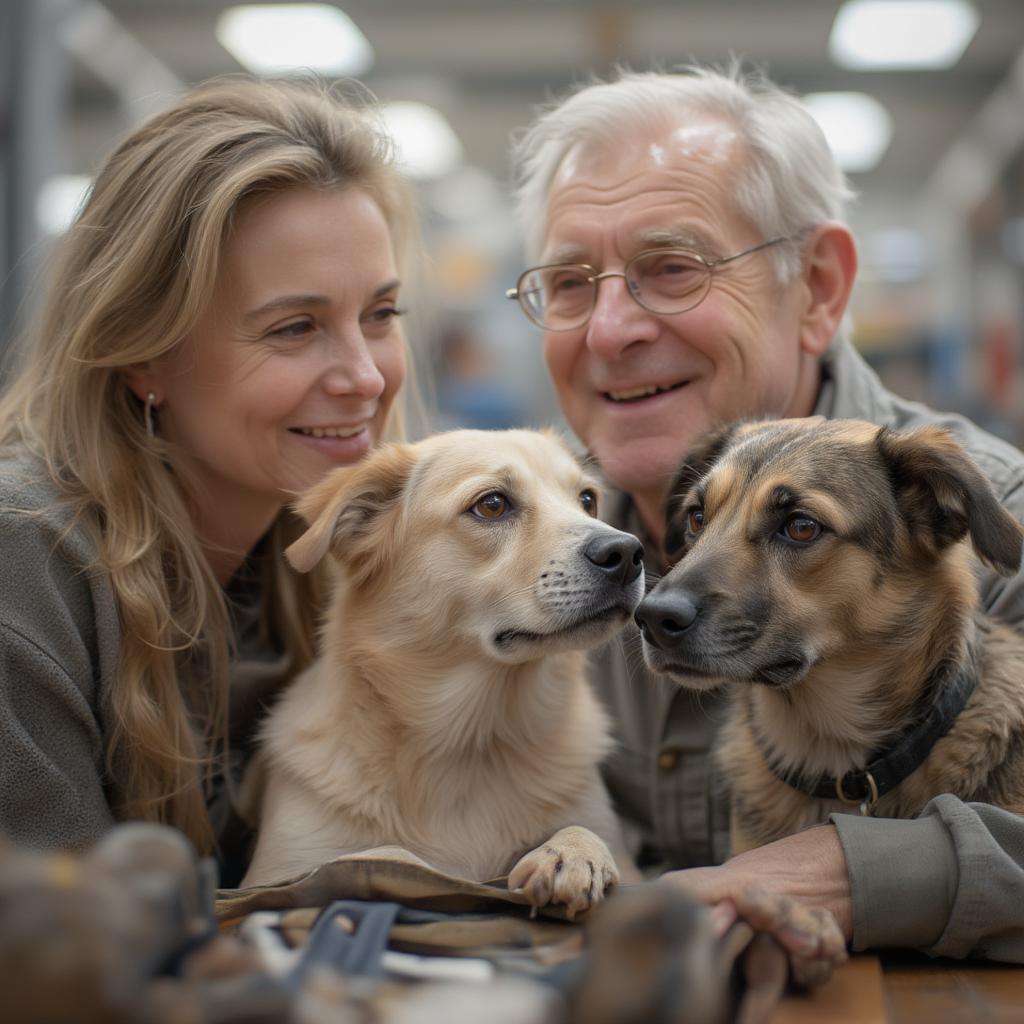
668,759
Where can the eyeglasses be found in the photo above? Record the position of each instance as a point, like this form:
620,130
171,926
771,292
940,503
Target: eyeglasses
562,296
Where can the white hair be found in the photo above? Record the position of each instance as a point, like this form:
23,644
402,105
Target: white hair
790,182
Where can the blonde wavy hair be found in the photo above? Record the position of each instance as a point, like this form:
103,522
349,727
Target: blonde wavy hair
130,279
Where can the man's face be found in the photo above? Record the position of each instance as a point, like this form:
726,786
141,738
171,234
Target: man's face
638,387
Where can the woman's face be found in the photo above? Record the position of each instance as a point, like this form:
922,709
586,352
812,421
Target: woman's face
293,367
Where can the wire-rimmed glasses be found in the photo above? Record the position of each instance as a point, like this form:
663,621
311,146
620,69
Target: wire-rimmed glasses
562,296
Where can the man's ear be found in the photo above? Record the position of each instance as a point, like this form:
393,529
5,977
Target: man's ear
701,456
829,267
944,497
352,512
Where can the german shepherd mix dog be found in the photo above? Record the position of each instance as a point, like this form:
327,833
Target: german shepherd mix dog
823,573
448,712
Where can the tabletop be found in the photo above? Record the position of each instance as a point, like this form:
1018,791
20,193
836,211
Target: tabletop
910,989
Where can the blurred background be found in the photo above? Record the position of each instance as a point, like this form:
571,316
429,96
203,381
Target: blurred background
922,100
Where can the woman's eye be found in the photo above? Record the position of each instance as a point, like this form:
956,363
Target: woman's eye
385,315
695,520
296,329
801,529
588,502
491,506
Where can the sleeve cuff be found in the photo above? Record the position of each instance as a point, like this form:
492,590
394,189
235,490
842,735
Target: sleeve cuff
903,879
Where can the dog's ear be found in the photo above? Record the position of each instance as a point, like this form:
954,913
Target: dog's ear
348,510
703,454
943,496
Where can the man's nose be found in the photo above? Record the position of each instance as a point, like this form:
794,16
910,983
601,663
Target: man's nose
618,320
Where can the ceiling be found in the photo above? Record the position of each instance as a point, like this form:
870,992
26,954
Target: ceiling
486,64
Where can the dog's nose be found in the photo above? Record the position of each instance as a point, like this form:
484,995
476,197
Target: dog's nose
620,556
664,618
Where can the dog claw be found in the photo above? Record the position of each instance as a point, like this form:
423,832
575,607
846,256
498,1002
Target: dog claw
574,869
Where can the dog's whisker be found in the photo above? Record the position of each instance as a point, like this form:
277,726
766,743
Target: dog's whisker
630,645
633,672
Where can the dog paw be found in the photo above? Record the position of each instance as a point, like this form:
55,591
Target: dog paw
573,868
809,935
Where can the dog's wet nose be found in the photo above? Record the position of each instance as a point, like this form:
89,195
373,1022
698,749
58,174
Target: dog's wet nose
664,618
620,556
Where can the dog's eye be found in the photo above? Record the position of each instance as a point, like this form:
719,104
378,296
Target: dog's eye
695,519
491,506
588,502
801,529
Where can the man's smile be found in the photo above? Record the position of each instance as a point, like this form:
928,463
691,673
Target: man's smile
638,394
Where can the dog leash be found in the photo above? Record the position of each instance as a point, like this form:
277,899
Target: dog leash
888,767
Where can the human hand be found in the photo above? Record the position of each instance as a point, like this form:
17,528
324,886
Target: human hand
797,889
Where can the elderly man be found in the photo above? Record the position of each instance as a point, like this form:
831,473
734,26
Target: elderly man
725,184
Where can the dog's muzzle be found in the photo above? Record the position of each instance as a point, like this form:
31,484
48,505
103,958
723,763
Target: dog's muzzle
664,619
619,556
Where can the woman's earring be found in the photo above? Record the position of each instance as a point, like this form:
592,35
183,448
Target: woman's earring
150,402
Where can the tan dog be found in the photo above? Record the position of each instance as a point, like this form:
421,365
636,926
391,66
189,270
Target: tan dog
448,712
823,572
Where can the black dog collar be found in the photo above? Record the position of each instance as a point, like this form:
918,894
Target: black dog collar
951,686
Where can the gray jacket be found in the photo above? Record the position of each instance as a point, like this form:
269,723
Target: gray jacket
60,645
950,882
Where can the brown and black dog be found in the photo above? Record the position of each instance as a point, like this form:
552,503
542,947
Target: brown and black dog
823,571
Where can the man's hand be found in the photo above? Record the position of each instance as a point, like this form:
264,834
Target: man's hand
792,888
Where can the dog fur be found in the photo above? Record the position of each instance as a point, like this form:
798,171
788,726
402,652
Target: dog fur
826,569
448,712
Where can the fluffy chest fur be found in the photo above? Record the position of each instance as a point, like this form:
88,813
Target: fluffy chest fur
514,758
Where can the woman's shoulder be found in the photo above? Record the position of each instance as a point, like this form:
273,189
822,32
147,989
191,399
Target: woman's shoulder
40,539
25,482
53,597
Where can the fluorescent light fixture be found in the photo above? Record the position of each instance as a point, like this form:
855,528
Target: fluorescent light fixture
58,201
858,128
427,146
282,39
902,34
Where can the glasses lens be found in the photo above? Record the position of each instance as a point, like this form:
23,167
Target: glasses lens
668,280
558,298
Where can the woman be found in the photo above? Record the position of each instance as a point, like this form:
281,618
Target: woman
222,330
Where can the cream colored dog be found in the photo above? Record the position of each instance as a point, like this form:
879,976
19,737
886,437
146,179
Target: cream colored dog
448,712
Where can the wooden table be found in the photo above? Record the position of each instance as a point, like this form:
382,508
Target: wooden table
911,989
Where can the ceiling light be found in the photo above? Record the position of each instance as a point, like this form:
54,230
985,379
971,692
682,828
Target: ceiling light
427,146
858,128
902,34
58,201
277,39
